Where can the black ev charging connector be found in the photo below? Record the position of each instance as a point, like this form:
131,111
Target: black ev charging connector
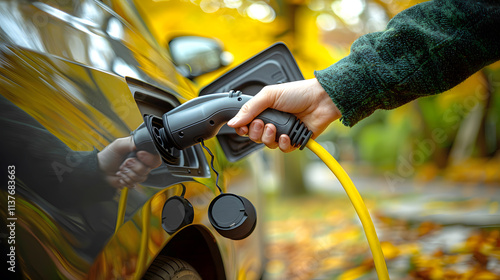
203,117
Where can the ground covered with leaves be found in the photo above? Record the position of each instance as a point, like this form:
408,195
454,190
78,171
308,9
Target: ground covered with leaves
439,232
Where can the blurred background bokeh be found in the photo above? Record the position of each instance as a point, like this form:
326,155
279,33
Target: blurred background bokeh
429,171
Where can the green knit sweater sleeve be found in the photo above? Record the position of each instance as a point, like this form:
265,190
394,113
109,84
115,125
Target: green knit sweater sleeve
426,49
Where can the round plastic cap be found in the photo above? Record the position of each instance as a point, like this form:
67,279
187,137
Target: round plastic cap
233,216
177,212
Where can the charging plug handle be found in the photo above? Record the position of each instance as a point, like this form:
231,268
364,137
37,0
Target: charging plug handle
203,117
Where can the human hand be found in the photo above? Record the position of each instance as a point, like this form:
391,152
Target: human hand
305,99
123,172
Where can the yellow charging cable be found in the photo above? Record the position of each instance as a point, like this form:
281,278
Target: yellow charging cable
359,206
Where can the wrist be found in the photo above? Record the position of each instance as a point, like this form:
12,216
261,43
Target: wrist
325,99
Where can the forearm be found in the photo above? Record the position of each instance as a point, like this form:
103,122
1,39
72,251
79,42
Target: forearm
47,167
425,50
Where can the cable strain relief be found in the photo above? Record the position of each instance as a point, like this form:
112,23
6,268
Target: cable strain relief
300,135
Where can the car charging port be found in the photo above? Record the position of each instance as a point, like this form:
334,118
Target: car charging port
169,154
153,103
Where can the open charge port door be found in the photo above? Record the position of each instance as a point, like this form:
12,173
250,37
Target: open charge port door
192,161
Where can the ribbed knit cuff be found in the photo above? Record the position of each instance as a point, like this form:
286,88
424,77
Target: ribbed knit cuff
352,89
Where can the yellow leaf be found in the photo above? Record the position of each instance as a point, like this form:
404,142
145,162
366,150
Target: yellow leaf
353,273
390,251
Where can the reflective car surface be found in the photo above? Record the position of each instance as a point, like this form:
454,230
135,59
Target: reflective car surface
76,77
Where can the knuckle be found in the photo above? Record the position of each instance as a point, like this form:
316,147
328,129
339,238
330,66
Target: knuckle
245,108
133,177
127,180
269,141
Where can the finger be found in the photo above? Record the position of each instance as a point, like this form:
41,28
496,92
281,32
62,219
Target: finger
150,160
124,184
269,136
126,181
119,183
131,175
135,166
241,131
285,143
251,109
123,145
128,162
255,131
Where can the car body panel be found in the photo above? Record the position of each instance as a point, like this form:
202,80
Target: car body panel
63,68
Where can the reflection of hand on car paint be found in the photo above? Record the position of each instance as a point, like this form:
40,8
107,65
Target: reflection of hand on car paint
126,173
66,178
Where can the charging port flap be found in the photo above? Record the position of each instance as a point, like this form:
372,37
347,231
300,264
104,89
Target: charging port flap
191,161
274,65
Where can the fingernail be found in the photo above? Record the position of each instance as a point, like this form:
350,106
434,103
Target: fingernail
232,121
258,125
268,131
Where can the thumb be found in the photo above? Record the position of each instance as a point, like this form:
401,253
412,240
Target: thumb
150,160
250,110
